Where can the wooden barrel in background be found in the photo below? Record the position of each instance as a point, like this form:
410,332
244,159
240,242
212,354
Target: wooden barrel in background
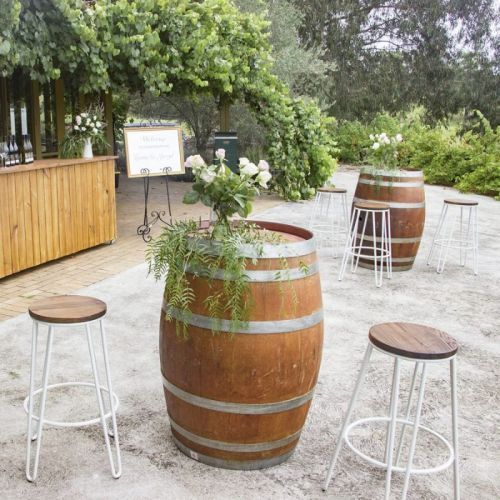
404,192
239,401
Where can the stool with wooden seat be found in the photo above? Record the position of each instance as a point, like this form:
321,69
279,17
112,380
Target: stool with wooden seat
330,215
377,249
69,311
422,346
466,239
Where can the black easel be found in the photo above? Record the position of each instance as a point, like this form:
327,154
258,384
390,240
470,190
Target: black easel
144,229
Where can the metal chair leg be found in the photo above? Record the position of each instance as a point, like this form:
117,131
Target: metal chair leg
32,474
362,371
114,432
438,231
415,431
454,423
349,243
115,471
407,413
392,427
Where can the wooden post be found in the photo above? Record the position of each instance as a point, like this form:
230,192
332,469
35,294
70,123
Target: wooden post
60,112
35,119
107,97
224,115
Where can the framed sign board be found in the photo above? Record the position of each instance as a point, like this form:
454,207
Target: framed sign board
154,148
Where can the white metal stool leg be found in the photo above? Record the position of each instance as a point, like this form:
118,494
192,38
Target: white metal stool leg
357,254
475,239
378,281
31,474
415,431
350,240
110,395
389,243
115,471
359,381
454,423
392,427
438,231
407,413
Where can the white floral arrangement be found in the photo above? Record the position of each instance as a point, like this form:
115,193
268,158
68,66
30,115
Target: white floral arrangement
384,152
89,124
227,193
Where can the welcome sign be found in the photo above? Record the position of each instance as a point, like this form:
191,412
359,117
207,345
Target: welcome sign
153,148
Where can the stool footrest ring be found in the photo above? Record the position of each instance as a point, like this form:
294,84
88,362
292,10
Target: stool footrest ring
383,465
83,423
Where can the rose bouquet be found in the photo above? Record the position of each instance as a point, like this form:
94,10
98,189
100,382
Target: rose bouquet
384,152
225,192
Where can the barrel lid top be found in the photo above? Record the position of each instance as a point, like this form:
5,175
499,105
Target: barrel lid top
461,201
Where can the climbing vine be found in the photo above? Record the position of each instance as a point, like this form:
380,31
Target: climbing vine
160,45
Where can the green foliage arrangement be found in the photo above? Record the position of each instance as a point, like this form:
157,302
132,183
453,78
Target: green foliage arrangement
194,48
188,249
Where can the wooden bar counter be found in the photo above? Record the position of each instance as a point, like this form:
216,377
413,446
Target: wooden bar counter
52,208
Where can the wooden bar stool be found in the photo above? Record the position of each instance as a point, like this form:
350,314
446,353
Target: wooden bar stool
466,239
376,249
65,311
330,216
421,345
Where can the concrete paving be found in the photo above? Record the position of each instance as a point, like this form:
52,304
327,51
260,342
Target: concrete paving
74,463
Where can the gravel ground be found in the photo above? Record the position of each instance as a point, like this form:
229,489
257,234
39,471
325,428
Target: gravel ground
74,463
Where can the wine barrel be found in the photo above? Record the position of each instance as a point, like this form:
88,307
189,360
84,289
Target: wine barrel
239,400
404,192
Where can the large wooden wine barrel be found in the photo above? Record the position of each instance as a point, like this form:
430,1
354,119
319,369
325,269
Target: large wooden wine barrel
404,192
239,401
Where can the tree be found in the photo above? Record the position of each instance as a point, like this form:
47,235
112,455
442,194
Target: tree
193,48
390,54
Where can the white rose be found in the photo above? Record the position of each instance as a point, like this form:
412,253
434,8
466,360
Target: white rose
78,119
84,115
98,124
220,154
208,176
76,127
244,161
95,117
195,162
88,121
84,129
95,131
263,178
91,125
399,137
372,137
249,169
263,165
387,140
376,145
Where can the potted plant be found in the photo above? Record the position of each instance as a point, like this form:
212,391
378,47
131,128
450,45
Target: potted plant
86,131
402,190
241,323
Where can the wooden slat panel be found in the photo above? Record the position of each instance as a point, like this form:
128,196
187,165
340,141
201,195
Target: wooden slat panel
5,246
51,212
37,220
13,229
25,241
54,175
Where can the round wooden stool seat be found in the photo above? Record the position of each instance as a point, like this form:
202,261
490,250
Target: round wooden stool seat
413,341
370,205
332,190
461,201
68,309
